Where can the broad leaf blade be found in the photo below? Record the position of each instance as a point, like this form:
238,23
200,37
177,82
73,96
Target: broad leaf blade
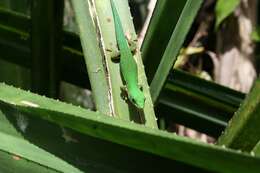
91,49
243,130
197,103
159,32
178,36
138,136
20,148
256,150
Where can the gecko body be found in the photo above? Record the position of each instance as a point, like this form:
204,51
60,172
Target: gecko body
128,66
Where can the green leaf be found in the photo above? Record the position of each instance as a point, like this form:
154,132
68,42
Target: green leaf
243,130
82,151
223,9
171,52
160,30
19,155
256,149
11,163
90,45
215,104
255,35
22,148
128,134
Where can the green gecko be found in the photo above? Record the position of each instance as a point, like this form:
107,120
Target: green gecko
128,66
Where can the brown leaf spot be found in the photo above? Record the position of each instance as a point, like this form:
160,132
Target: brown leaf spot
16,157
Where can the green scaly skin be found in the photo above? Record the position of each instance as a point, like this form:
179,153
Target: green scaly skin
128,65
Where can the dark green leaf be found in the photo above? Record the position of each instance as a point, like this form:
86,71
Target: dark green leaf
243,130
130,134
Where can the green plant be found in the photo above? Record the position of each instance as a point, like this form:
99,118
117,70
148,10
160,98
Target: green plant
40,134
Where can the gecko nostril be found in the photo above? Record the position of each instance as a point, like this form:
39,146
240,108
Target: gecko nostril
108,19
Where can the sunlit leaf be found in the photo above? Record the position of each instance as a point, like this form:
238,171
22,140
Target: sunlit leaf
223,9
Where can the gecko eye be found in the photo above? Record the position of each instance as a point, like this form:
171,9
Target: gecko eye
133,100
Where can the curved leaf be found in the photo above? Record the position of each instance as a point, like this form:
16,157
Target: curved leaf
223,9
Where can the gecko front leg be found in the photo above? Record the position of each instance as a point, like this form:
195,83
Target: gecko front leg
132,42
115,53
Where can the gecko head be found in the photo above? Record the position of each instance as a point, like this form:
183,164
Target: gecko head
138,99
